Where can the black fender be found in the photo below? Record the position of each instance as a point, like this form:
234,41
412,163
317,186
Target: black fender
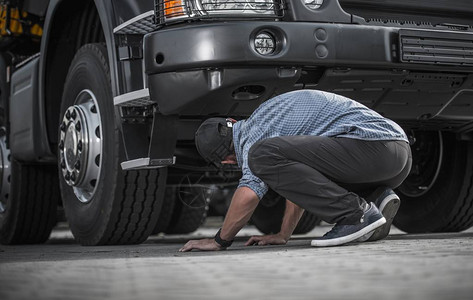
50,117
57,50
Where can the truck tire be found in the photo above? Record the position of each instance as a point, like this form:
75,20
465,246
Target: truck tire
269,213
307,222
28,200
190,210
166,212
103,204
437,196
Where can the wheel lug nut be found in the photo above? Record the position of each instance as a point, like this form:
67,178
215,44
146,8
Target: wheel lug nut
78,126
74,114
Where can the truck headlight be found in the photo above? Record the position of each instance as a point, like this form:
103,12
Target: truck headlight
173,10
313,4
265,7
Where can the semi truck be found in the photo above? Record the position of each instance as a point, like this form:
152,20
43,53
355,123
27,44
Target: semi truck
100,101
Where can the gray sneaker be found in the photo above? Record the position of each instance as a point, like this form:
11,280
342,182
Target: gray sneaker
342,234
388,204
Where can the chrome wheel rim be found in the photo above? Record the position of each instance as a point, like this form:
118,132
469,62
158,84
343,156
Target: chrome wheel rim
81,146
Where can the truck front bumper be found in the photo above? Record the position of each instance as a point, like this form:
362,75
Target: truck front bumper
214,68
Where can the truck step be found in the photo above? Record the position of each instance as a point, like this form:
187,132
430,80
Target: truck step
147,163
141,24
135,98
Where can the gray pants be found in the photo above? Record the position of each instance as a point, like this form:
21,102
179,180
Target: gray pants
325,175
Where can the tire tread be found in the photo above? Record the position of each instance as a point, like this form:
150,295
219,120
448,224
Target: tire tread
36,191
463,218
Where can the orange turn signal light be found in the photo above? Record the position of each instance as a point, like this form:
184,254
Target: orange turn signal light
174,8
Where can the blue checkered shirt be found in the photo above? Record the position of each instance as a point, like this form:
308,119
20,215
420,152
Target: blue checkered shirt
307,112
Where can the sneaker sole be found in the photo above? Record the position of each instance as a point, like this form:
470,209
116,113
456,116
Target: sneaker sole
348,238
388,209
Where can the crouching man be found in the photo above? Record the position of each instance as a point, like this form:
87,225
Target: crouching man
316,149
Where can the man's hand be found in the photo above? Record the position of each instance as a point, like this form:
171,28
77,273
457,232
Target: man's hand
263,240
204,245
241,208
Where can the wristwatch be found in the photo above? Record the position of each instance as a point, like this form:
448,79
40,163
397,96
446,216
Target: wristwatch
223,243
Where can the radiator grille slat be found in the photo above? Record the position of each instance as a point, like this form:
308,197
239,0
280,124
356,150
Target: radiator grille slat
436,47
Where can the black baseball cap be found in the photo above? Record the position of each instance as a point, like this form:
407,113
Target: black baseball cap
214,140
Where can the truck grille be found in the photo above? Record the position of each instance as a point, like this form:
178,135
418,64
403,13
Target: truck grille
436,47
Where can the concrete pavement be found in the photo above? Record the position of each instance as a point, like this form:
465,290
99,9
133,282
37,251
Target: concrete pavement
431,266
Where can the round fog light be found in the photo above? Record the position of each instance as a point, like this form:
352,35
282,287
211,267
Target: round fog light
265,43
313,4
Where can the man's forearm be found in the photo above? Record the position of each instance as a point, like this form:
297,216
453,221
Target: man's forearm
292,215
241,208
